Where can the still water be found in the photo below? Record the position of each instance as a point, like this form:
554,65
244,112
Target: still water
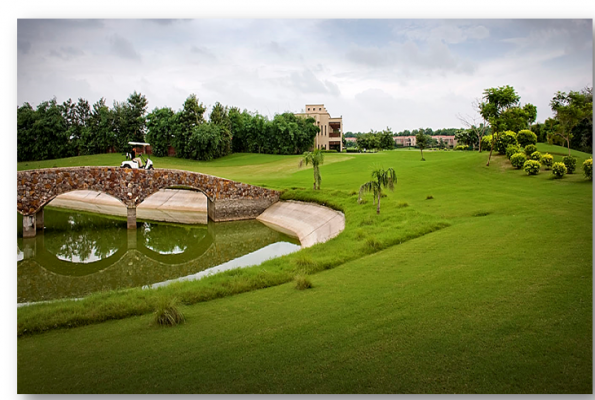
79,253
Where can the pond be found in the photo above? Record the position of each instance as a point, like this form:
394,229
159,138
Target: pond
81,253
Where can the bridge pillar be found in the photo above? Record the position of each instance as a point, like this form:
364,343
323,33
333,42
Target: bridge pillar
39,219
131,239
29,229
131,217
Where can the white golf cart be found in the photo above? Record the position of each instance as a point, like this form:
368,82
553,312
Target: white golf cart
137,162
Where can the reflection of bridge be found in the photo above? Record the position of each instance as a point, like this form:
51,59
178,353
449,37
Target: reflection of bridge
226,200
44,276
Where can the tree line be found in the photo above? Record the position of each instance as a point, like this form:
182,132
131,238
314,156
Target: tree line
53,130
500,110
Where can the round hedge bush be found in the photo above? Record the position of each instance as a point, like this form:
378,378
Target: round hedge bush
512,150
526,137
559,169
462,147
588,168
486,143
547,160
530,149
535,156
518,160
570,163
504,140
531,167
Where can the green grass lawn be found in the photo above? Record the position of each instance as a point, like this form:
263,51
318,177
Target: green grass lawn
486,288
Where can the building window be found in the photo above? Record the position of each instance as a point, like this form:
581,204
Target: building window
319,109
308,109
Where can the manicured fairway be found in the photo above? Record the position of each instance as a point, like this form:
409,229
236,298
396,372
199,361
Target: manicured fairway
495,296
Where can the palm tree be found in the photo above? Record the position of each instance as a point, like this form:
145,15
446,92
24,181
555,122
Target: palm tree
380,178
315,158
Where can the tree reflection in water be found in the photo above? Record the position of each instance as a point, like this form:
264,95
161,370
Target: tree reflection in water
80,253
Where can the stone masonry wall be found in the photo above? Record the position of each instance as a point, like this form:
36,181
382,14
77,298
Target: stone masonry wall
232,200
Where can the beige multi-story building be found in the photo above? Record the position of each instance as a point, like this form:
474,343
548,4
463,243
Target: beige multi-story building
330,136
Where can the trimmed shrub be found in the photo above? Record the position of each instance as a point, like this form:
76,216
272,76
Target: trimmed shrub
505,139
461,147
547,160
588,168
535,156
531,167
559,170
512,150
518,160
526,137
486,142
530,149
570,163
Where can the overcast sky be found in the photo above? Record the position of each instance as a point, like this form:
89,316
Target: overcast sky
403,74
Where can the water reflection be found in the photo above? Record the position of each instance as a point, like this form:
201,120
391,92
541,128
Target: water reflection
78,253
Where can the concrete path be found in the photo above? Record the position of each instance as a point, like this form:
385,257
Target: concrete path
170,205
309,222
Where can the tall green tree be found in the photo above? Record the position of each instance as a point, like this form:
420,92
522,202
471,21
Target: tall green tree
422,141
316,158
569,110
160,124
190,117
381,178
496,102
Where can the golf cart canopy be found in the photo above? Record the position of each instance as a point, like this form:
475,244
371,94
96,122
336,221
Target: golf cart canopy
138,144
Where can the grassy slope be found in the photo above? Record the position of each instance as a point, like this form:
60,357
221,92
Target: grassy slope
494,303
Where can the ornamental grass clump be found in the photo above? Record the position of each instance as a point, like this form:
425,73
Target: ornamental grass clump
570,163
531,167
167,313
302,282
518,160
559,170
536,156
530,149
547,160
588,169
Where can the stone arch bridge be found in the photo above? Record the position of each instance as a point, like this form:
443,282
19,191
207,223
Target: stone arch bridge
227,200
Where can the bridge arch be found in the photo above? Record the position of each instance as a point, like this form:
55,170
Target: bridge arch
227,200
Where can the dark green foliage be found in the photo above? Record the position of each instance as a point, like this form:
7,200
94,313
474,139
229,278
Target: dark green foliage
574,114
526,137
504,140
530,149
160,130
511,150
518,160
570,163
531,167
547,160
208,141
588,169
376,140
559,170
185,121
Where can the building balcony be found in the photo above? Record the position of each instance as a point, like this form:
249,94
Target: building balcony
335,134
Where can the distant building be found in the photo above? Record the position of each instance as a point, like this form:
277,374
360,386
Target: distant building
330,136
410,141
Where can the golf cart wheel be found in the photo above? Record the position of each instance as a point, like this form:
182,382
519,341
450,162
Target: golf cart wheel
151,167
